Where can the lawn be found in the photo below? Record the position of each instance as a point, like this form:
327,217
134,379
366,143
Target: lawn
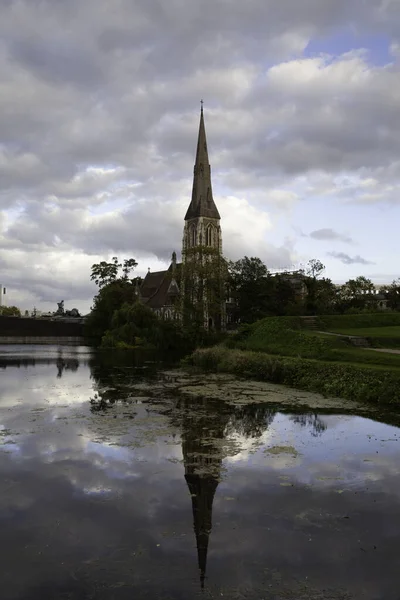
367,357
281,336
379,337
376,332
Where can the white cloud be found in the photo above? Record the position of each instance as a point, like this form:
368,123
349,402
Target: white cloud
98,126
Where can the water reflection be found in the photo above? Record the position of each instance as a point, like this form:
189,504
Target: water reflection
202,431
311,420
206,425
146,492
205,428
64,359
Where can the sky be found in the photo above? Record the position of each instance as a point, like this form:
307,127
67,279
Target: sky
99,113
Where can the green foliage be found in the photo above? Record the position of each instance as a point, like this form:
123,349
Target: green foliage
203,284
314,268
110,298
258,293
250,285
137,325
376,328
321,296
9,311
393,295
104,273
350,381
387,331
283,335
284,297
130,326
357,294
128,265
114,291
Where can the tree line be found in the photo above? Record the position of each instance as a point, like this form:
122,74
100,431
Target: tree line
117,318
257,293
254,292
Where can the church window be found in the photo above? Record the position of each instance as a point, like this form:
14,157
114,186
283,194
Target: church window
193,235
209,235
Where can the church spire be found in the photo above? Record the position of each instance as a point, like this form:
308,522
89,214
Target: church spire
202,203
202,491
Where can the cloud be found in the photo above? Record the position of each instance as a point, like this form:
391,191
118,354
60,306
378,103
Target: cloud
348,260
330,234
98,126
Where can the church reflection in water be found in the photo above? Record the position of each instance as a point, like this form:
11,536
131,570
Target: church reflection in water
202,429
207,428
210,432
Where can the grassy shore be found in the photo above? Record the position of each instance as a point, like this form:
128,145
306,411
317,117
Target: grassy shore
280,350
381,330
353,381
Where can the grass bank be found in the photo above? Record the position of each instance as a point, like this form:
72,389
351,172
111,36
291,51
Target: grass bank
367,320
282,350
352,381
286,336
382,330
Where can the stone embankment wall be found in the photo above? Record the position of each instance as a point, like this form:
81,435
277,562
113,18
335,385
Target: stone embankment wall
18,330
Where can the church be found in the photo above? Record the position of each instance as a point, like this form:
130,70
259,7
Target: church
195,288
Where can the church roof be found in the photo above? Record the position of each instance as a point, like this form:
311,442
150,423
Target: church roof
202,203
158,289
151,284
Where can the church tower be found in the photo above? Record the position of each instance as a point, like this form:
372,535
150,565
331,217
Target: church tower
202,219
202,261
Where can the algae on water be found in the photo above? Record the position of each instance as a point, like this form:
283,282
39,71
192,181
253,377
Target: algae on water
282,450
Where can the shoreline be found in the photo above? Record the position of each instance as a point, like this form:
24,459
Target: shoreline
350,381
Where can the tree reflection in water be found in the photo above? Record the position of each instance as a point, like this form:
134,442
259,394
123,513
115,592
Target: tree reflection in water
312,421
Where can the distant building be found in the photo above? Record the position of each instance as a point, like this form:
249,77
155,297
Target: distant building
2,294
377,297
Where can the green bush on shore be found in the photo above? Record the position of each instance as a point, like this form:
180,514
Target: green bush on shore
350,381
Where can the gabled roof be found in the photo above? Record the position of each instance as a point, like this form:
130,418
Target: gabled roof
202,203
151,283
161,287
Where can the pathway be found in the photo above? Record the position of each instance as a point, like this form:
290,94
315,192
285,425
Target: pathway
360,342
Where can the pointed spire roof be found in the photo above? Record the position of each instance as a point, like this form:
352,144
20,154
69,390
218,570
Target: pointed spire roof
202,491
202,203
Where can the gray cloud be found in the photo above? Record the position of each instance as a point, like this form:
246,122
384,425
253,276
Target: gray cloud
330,234
349,260
98,125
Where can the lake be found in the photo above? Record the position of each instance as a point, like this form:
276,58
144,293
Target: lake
122,478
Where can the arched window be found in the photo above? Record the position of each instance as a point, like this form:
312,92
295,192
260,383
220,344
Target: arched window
209,235
193,235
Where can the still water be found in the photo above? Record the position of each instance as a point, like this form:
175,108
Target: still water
118,484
